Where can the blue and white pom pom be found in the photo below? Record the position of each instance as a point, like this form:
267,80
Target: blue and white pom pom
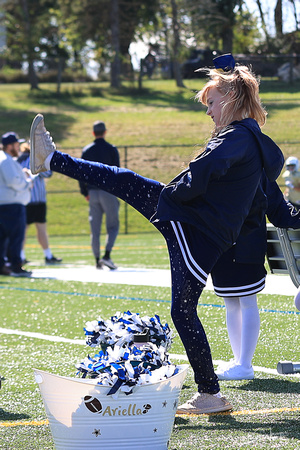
121,363
120,329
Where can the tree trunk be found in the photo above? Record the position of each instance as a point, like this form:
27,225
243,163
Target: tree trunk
59,73
176,45
295,14
278,18
263,23
33,80
115,72
227,40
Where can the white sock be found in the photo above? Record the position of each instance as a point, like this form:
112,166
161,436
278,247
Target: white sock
48,253
47,161
250,329
23,256
243,324
234,324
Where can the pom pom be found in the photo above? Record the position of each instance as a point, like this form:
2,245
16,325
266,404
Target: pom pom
122,364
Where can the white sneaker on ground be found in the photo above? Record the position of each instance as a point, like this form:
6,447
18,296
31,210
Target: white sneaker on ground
202,403
41,145
236,372
108,263
224,365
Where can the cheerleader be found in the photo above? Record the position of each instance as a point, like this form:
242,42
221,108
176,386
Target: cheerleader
201,211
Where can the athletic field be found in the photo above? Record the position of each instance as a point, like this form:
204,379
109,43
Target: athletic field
42,327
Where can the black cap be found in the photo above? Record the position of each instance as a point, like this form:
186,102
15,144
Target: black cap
10,137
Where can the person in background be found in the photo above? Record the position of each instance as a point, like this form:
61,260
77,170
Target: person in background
15,186
200,212
36,209
239,275
100,201
292,181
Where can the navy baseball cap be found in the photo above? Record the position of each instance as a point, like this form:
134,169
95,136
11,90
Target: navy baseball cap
10,137
224,62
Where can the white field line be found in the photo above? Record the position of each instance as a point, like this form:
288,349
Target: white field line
275,284
51,338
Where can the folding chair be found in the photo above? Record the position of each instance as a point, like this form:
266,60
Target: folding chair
283,252
283,255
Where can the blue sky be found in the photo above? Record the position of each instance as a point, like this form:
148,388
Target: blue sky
268,7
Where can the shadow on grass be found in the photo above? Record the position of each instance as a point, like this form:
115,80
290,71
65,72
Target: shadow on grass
279,86
272,385
20,122
71,97
273,107
9,416
185,386
281,427
269,426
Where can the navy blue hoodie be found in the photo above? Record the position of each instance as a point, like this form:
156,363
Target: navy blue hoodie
221,187
251,249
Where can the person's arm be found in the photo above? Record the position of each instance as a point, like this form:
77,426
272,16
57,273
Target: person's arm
46,174
280,213
83,188
82,185
14,176
221,153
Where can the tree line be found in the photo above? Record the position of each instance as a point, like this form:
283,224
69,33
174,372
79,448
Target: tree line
55,34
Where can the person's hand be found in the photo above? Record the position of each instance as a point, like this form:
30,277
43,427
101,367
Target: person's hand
27,172
87,198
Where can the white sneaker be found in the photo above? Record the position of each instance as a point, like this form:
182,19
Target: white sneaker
236,372
204,404
41,145
225,365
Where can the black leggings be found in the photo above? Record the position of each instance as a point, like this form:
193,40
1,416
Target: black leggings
143,195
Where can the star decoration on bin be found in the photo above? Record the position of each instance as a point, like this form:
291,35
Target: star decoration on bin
175,404
97,432
164,404
155,430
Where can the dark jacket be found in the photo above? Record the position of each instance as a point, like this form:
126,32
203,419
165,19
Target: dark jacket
251,249
99,151
221,187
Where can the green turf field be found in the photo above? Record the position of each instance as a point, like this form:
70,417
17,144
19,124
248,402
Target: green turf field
266,410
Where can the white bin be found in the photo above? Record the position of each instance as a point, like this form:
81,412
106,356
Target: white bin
82,416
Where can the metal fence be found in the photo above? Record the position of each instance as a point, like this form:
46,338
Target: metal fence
157,162
160,163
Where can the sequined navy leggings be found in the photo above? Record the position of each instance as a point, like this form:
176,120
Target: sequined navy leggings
189,272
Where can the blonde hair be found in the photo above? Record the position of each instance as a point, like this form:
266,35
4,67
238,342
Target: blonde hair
25,147
243,101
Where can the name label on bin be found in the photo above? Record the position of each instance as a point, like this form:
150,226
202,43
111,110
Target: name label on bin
94,405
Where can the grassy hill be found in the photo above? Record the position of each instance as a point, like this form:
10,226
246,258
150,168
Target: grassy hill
147,125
